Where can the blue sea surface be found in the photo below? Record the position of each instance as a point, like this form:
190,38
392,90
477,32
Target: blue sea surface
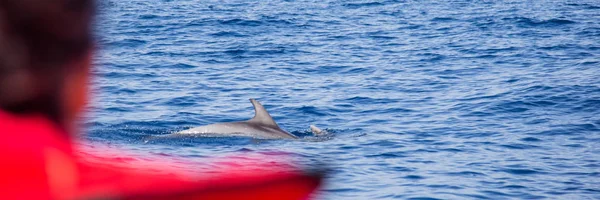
424,99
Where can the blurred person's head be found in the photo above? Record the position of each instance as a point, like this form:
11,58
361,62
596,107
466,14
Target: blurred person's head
45,57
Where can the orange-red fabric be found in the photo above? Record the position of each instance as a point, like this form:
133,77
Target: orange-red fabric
37,161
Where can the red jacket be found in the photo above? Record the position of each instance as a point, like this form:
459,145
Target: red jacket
37,161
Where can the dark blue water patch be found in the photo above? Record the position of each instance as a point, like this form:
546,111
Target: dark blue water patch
148,16
227,34
120,91
433,57
125,43
402,169
414,177
118,109
465,174
383,38
588,105
331,69
384,143
558,47
235,52
360,5
304,133
531,139
185,101
179,66
569,129
514,187
519,146
381,35
452,150
388,155
522,171
359,100
444,186
359,70
507,107
277,21
268,52
573,145
422,198
311,110
530,22
442,19
162,53
589,62
486,97
591,174
118,75
241,22
583,5
478,114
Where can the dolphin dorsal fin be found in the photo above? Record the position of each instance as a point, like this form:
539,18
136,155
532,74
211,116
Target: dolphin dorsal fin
261,115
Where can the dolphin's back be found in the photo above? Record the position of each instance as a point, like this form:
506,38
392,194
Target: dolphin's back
261,125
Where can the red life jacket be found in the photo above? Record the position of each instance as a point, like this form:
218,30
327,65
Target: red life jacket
37,161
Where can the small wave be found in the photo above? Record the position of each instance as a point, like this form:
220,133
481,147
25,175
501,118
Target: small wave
358,70
360,5
313,111
235,52
414,177
519,146
584,5
511,107
227,34
241,22
267,52
369,100
182,66
522,171
130,43
117,109
593,7
530,139
148,16
388,155
465,174
442,19
514,187
184,101
332,68
423,198
525,21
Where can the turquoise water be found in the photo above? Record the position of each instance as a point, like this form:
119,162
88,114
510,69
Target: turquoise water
424,99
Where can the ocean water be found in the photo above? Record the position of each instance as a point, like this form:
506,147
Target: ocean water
423,99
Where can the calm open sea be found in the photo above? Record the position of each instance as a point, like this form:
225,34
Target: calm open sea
425,99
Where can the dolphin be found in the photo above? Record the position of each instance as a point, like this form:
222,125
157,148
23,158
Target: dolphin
261,126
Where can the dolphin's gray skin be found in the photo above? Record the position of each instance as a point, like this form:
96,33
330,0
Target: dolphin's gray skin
261,125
